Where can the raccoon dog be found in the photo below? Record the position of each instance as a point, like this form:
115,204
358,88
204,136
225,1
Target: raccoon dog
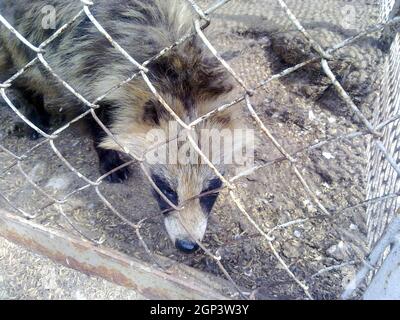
190,80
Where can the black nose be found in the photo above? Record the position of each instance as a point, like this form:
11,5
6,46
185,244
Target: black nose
186,246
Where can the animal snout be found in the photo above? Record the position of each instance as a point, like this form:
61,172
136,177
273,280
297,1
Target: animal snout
186,246
186,229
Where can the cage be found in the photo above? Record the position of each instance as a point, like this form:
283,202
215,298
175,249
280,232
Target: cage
318,81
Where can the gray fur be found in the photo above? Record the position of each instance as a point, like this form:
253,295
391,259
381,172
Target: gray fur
189,78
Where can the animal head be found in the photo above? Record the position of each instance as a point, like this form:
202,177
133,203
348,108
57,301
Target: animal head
191,87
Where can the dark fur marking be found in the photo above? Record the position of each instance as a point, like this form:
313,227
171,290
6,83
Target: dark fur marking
166,189
207,202
83,29
36,112
189,76
154,112
150,113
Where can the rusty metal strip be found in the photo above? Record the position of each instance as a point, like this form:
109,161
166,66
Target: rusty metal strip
179,282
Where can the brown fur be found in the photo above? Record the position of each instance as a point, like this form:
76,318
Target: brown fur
188,78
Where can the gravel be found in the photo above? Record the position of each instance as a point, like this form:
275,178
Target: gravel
28,276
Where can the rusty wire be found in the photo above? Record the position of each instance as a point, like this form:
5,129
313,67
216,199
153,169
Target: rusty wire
202,22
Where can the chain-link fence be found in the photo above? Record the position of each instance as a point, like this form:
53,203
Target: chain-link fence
383,179
377,129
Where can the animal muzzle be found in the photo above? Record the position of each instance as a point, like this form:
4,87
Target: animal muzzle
186,229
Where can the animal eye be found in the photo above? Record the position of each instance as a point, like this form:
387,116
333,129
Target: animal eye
207,201
213,184
166,189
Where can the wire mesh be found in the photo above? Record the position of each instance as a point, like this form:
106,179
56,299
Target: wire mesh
382,143
384,179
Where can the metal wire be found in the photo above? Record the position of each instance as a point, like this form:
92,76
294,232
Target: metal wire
203,20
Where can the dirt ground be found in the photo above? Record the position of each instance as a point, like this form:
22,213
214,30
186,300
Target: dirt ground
25,275
300,110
